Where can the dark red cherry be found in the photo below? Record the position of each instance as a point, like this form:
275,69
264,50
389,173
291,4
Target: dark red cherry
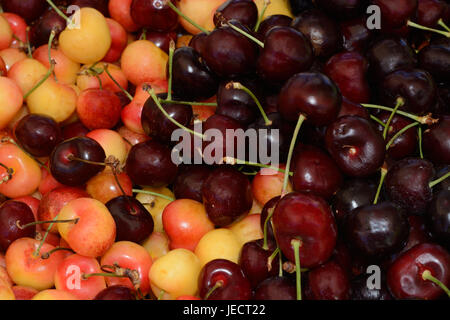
73,130
315,172
276,288
286,52
134,223
376,231
65,165
254,261
227,278
361,291
40,30
342,9
405,275
161,39
322,31
192,80
269,206
38,134
435,58
430,11
189,182
12,215
299,6
349,108
312,94
438,215
27,9
227,195
356,35
149,163
348,70
328,282
244,11
436,142
355,145
395,14
116,292
307,218
276,20
415,86
408,184
198,42
100,5
154,15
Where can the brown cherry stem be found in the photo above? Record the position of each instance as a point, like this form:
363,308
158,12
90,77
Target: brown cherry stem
9,172
234,161
47,255
75,221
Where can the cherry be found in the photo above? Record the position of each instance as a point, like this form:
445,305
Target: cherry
355,145
349,108
395,14
376,231
38,134
360,290
73,130
226,195
430,11
154,15
299,6
116,292
407,276
134,223
275,288
189,182
321,30
435,58
27,9
222,279
40,30
408,184
100,5
192,80
276,20
438,214
160,39
315,172
73,162
356,35
266,225
435,142
328,282
198,42
342,9
149,163
13,216
244,11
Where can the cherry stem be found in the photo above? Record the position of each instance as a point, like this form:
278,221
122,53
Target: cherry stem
217,285
208,104
59,12
71,157
419,133
427,119
8,139
280,267
439,180
153,194
158,104
443,25
240,86
377,120
86,276
296,244
400,102
266,222
246,34
27,38
300,121
181,14
400,132
427,276
169,85
261,15
418,26
47,255
234,161
9,171
161,294
143,34
271,258
380,184
38,249
75,221
129,96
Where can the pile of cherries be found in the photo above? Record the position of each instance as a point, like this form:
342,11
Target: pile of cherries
94,207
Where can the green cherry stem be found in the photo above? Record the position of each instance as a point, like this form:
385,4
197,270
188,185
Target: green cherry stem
266,226
443,25
271,258
246,34
181,14
234,161
86,276
419,133
240,86
383,173
189,103
105,68
216,286
59,12
75,221
427,119
169,84
400,132
427,276
261,15
296,244
418,26
153,194
439,180
400,102
47,255
378,120
36,253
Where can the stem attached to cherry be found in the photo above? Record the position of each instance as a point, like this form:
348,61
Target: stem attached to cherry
169,85
443,25
400,132
105,68
418,26
439,180
47,255
261,15
266,227
378,120
246,34
400,102
217,285
189,103
296,244
427,119
181,14
271,258
383,173
153,194
234,161
75,221
9,171
427,276
419,133
36,253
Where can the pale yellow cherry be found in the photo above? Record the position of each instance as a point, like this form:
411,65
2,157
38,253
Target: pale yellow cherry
275,7
200,11
66,70
176,274
90,41
218,244
54,294
248,229
11,56
112,142
6,292
155,205
157,245
26,73
53,99
10,100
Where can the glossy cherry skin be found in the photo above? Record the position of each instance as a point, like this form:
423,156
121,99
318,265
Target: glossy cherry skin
355,34
430,11
38,134
192,79
395,14
309,219
355,145
321,30
404,276
226,195
360,291
244,11
353,194
342,9
27,9
189,182
435,58
157,125
328,282
254,261
161,39
436,143
376,231
276,288
134,223
276,20
41,28
389,54
407,184
73,130
13,213
415,86
198,42
438,215
349,108
149,163
74,172
235,286
312,94
315,172
154,15
116,292
286,52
